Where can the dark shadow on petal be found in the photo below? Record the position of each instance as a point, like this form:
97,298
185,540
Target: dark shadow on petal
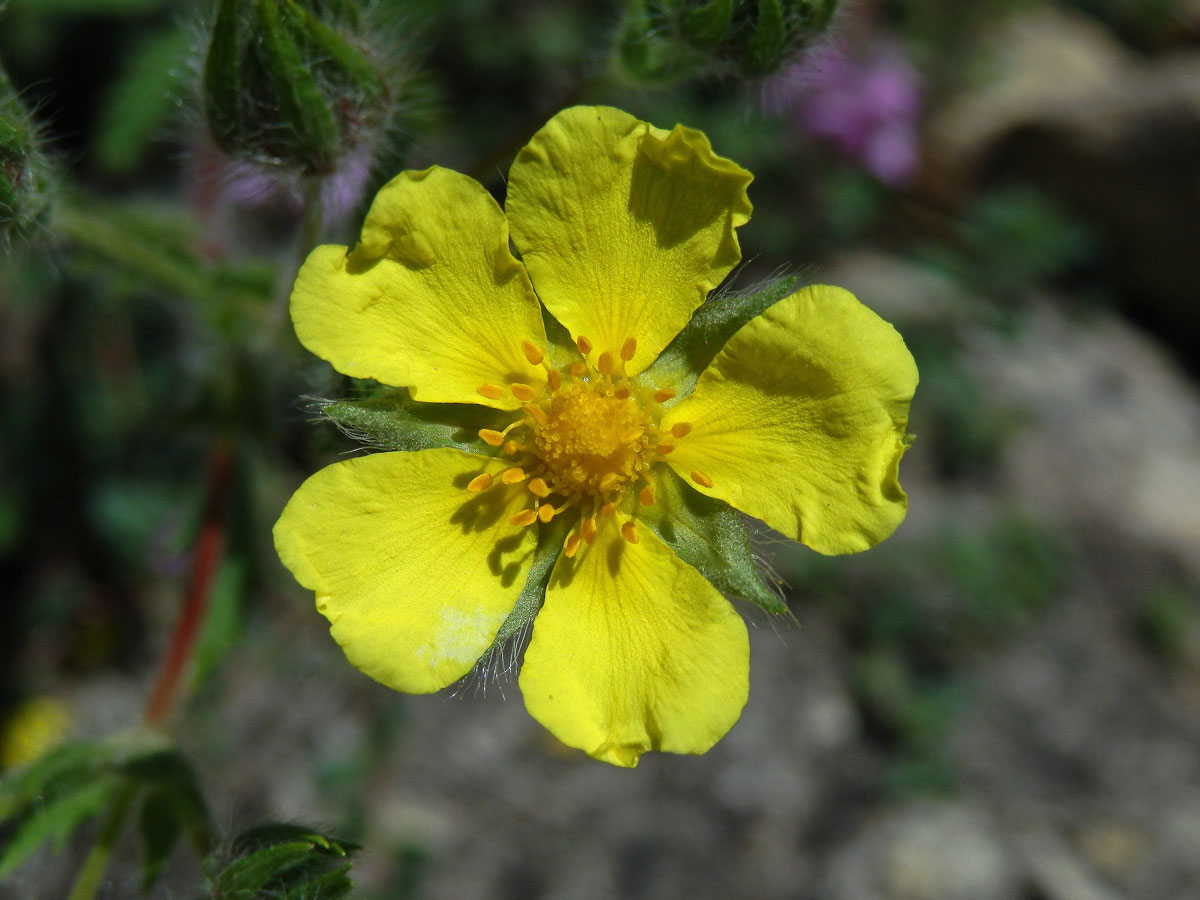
615,553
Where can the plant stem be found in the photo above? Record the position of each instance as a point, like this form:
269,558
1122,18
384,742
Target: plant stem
205,560
91,874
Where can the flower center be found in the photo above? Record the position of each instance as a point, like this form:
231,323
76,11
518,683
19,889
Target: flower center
585,442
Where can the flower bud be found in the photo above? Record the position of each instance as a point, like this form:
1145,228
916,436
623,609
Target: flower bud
663,40
289,83
26,176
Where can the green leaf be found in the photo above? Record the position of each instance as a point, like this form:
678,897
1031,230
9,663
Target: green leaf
143,99
223,624
343,58
764,53
166,771
56,819
681,363
160,828
551,537
281,860
223,89
72,762
710,536
392,420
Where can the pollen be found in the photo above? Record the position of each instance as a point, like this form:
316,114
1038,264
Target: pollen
585,442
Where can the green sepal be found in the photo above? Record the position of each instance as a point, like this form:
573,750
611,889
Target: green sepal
768,44
680,364
710,536
223,86
164,772
392,420
281,860
705,25
313,139
342,59
551,538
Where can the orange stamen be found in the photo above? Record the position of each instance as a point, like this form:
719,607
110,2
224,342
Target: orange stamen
608,481
701,479
629,532
628,349
532,353
553,379
646,497
539,487
664,449
545,513
491,436
584,345
681,429
572,545
524,517
537,414
491,391
516,475
662,395
480,483
604,365
589,530
522,391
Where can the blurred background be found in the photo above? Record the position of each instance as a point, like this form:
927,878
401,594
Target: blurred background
1001,702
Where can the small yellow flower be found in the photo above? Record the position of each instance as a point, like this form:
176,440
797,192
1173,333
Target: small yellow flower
35,728
417,558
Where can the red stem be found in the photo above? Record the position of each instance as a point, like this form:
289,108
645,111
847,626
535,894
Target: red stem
205,560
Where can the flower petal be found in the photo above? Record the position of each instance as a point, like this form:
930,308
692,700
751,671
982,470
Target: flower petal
635,651
800,421
414,573
624,227
430,299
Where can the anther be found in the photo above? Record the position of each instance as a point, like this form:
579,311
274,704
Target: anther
662,395
589,530
629,532
628,349
572,545
522,391
524,517
491,391
578,369
701,479
646,497
608,509
608,481
681,429
622,392
632,434
532,353
512,448
515,475
664,449
584,345
604,365
539,487
480,483
491,436
537,413
545,513
553,379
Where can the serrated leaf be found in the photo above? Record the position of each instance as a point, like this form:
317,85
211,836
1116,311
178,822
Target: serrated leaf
160,828
286,860
56,819
392,420
76,761
710,536
551,537
681,363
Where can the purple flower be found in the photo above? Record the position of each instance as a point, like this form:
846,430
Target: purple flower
864,104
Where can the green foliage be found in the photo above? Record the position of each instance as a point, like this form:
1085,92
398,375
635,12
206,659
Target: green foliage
52,798
1168,623
142,102
284,862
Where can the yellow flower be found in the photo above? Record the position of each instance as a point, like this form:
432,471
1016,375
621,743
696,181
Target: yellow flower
419,558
